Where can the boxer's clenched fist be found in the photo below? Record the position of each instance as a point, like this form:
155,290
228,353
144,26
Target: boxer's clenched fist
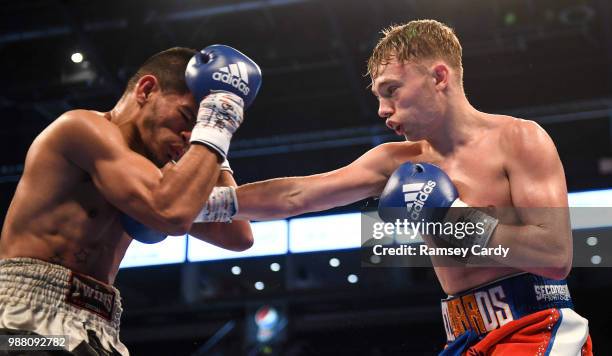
219,116
224,80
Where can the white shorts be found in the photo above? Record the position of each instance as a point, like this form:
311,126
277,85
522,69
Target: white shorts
49,299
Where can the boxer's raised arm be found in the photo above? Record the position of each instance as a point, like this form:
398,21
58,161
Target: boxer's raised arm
167,202
284,197
542,243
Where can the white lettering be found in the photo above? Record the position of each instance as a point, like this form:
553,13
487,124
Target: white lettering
421,197
376,250
497,294
486,310
402,250
447,325
231,80
490,251
89,292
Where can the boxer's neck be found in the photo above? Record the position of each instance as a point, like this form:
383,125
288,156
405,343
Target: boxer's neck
125,115
459,124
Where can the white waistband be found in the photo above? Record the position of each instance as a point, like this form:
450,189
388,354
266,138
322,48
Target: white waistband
33,296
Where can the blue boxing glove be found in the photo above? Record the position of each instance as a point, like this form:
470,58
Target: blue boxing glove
222,79
140,232
220,67
423,193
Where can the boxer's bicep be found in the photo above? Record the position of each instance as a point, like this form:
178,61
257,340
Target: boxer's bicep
534,169
123,177
127,181
363,178
537,180
540,242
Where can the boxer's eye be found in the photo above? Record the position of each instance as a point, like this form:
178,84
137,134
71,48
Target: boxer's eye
186,117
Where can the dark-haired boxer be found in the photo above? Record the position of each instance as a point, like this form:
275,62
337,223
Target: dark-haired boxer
493,161
93,181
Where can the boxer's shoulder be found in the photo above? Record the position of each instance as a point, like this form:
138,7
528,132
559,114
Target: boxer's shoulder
525,145
401,150
520,135
82,132
388,156
77,137
510,127
86,122
79,125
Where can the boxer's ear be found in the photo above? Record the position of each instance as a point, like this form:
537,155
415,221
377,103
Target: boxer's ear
144,87
440,74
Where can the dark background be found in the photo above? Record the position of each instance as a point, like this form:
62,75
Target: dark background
545,60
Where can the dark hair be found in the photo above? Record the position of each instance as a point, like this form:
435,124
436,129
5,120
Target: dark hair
168,67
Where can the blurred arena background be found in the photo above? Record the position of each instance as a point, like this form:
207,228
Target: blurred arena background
545,60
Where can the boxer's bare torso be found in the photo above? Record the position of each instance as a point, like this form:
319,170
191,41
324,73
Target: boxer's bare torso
58,215
478,170
87,166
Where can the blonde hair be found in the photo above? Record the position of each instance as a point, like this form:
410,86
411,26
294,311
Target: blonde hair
414,41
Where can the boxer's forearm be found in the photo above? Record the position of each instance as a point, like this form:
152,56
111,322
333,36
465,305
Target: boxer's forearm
271,199
285,197
544,250
184,188
235,236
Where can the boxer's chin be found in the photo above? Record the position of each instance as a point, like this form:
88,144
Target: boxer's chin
159,159
413,136
417,133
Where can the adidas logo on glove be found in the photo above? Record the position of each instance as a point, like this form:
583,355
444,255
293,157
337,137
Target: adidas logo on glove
235,75
415,195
